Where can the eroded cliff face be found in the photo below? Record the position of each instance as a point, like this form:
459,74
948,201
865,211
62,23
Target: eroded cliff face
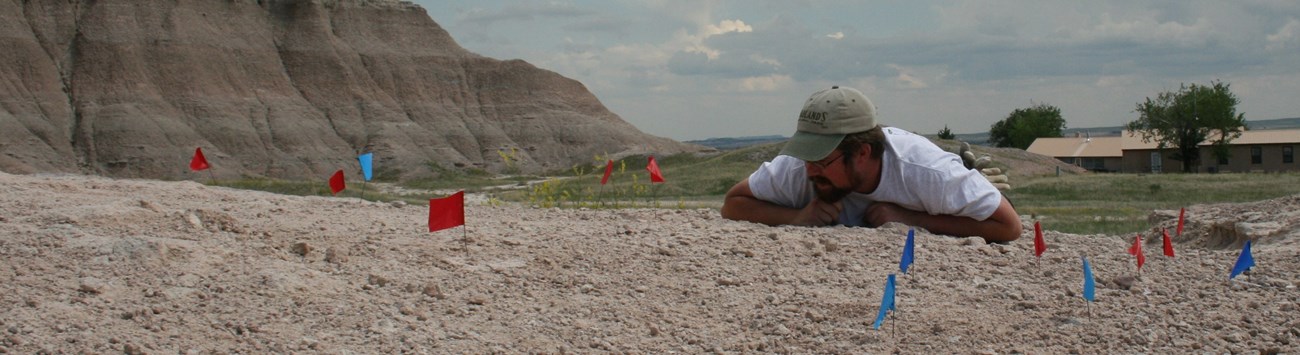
288,89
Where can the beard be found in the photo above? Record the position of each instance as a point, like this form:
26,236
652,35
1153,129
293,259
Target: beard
827,191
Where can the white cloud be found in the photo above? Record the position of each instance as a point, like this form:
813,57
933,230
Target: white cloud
1284,37
726,26
1178,23
979,59
906,79
1152,31
910,82
522,12
765,60
699,12
916,77
764,83
696,41
645,55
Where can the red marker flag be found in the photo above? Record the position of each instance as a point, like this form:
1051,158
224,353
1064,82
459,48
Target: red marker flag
1039,244
447,212
1136,250
655,175
1181,211
198,162
336,182
1169,245
609,168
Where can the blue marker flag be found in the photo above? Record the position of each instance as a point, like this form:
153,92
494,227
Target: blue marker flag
1089,285
365,160
907,251
1244,262
886,302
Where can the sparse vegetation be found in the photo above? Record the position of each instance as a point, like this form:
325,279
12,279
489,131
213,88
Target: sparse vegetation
1186,118
318,188
1120,203
468,179
946,133
1024,125
692,181
1113,204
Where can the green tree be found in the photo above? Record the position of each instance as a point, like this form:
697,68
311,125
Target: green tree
946,133
1186,118
1024,125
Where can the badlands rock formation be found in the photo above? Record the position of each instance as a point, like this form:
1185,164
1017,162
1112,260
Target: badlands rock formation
279,88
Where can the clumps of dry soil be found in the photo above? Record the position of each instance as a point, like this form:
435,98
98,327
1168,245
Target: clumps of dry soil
99,265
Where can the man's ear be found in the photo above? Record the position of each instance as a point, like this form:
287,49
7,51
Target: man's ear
864,150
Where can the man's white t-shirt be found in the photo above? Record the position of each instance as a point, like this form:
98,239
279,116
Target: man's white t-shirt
915,174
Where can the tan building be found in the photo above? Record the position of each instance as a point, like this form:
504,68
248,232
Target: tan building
1101,154
1254,151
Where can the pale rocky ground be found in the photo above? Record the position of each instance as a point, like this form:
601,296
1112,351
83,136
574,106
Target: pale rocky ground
103,266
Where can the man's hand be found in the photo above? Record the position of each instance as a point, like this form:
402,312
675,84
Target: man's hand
818,213
985,166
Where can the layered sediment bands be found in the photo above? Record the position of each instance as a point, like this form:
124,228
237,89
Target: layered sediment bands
286,89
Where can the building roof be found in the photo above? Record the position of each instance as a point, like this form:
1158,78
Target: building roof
1133,141
1085,147
1114,146
1271,136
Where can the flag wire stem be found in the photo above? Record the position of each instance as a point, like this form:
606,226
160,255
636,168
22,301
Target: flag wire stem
1245,282
654,199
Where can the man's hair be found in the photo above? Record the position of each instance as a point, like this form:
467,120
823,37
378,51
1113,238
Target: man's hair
874,137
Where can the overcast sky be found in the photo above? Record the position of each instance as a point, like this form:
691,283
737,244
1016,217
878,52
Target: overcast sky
695,69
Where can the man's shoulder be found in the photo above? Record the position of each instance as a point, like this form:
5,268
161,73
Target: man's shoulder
782,181
784,163
910,146
781,165
895,133
786,159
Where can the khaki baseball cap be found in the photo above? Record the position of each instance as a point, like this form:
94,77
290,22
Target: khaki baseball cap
826,118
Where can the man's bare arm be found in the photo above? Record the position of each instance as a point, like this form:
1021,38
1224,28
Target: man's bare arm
1002,226
741,205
